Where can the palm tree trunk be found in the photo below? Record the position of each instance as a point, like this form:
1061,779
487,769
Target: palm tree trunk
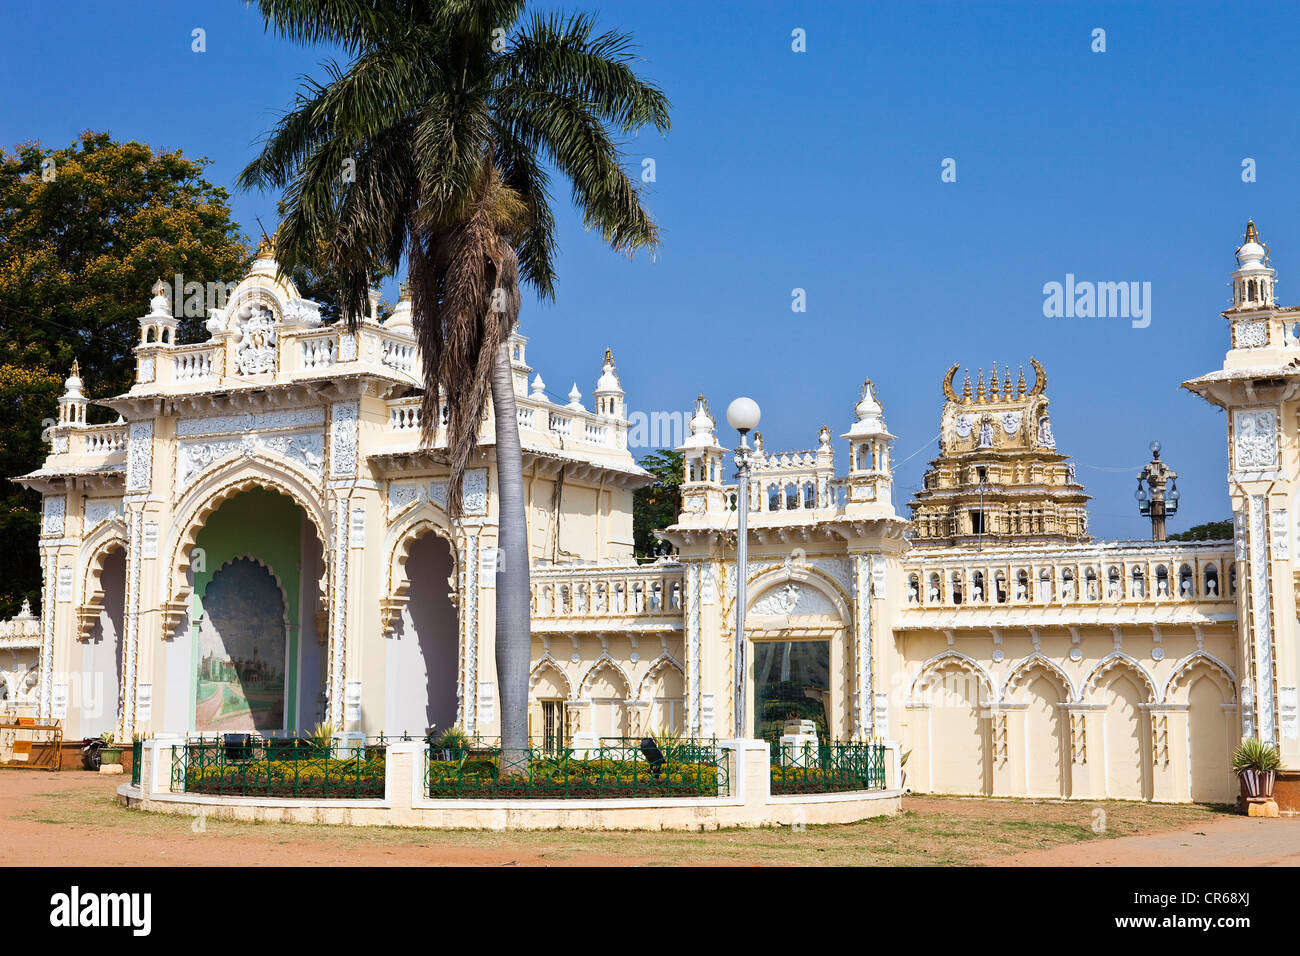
514,631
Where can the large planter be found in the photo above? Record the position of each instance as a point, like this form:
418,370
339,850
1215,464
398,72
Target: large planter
112,755
1257,784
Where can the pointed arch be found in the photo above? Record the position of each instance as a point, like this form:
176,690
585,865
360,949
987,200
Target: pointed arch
425,518
599,664
1113,661
213,488
1185,667
942,660
110,536
550,665
765,581
660,663
1025,666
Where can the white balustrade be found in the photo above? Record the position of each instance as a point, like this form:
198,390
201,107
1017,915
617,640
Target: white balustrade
318,351
103,441
194,366
639,591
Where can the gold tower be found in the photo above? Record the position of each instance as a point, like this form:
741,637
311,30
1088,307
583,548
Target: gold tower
999,479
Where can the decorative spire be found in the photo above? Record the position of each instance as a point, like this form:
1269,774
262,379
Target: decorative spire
575,397
265,248
979,387
76,369
993,383
539,389
965,389
1020,387
1006,385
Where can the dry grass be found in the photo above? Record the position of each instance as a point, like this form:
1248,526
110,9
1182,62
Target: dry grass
930,831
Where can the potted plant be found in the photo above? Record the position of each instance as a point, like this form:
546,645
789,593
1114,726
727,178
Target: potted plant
1255,764
111,752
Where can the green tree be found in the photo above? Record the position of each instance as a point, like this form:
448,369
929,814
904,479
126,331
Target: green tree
655,506
85,232
1210,531
434,145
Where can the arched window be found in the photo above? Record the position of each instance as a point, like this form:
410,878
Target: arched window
1211,581
1044,585
1186,582
1139,588
1162,581
913,589
956,587
1090,584
809,495
1000,585
1022,585
773,497
977,587
791,496
1067,585
935,595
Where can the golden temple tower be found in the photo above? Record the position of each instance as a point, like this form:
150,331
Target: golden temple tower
999,479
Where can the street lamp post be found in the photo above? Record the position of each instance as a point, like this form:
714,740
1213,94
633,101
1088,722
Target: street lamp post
1157,493
742,415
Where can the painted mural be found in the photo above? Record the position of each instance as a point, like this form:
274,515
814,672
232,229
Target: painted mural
241,654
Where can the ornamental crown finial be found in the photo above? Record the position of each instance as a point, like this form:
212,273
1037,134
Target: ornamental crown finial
265,248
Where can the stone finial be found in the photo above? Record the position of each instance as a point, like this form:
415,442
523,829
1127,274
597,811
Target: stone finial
265,248
575,397
539,388
160,304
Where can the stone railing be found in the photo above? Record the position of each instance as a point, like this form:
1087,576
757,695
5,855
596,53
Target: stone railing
607,594
811,492
22,630
102,439
1098,574
318,350
196,363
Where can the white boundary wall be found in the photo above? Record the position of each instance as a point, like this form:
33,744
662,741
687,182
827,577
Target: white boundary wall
750,803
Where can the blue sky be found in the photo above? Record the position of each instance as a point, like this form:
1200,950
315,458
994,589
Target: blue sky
821,171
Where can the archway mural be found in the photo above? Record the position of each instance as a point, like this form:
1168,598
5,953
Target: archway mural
254,657
242,651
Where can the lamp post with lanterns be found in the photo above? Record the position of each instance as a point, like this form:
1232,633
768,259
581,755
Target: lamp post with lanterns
742,415
1157,493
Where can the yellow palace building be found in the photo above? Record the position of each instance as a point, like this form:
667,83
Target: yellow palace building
261,542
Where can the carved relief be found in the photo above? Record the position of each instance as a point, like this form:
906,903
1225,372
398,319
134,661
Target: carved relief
256,341
1254,434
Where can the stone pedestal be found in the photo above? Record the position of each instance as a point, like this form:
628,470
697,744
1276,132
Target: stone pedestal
1261,808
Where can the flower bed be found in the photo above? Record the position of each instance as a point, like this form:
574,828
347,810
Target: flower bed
831,767
615,772
269,772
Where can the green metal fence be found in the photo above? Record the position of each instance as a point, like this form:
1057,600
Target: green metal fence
279,768
617,768
137,748
827,767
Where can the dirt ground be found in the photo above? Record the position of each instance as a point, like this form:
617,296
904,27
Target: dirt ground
73,818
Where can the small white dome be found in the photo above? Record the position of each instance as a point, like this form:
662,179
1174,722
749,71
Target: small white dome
575,397
702,436
539,388
73,384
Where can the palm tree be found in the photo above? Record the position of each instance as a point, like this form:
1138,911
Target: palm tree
435,144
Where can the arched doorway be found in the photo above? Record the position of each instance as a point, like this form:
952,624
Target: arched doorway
1126,744
1045,768
959,733
100,690
243,651
422,648
1209,737
254,658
